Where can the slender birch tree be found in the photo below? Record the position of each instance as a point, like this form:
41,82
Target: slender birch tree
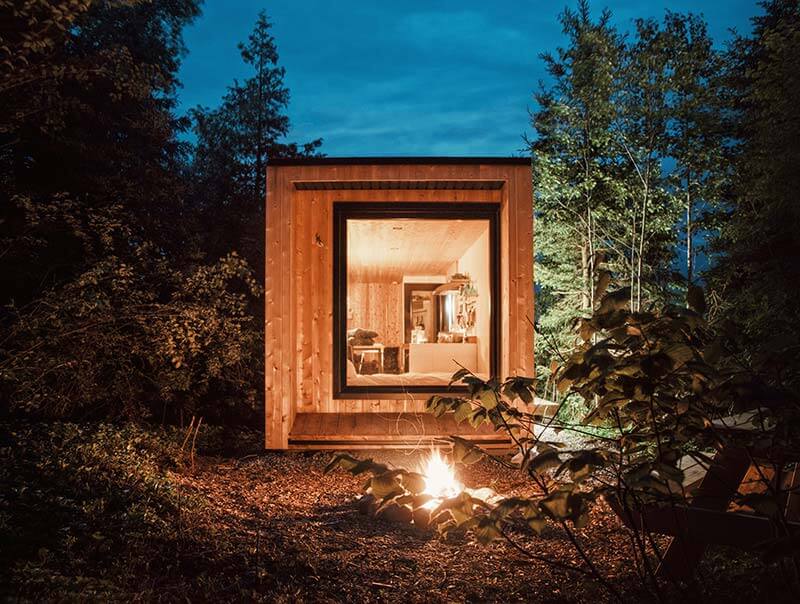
695,135
641,133
626,152
572,173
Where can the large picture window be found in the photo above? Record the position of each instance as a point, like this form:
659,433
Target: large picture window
415,296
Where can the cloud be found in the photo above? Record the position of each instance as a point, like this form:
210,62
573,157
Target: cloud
422,77
466,35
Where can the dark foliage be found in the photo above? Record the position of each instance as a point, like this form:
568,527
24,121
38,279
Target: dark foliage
88,112
234,144
124,273
660,395
757,272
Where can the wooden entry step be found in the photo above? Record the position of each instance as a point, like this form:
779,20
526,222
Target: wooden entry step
386,431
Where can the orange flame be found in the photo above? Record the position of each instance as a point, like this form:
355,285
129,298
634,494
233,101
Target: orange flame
440,479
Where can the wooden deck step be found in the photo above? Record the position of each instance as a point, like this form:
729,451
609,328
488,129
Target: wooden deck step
386,430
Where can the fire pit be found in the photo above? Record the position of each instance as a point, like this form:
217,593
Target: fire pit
421,497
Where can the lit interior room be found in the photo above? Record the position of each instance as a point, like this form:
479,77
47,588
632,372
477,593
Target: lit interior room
418,300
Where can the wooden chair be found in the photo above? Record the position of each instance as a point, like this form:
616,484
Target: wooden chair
707,518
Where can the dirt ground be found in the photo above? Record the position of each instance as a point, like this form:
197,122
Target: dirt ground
289,532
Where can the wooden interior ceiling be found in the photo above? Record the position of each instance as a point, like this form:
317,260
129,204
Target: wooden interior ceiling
387,249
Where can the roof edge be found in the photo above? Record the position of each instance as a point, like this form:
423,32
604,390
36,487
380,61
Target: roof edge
383,161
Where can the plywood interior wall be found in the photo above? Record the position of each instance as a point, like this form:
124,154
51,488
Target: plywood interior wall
299,269
377,306
475,262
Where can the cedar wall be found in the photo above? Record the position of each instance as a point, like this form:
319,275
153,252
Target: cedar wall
299,277
377,306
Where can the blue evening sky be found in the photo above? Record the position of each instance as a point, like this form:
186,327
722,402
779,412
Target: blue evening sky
408,78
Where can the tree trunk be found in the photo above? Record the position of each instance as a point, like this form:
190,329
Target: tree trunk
689,251
591,259
633,255
639,262
585,275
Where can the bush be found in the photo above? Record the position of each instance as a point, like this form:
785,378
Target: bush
655,384
82,506
134,338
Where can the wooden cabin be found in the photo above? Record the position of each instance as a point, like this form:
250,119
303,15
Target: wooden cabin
383,277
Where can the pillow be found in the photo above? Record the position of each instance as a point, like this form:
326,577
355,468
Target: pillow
359,333
351,369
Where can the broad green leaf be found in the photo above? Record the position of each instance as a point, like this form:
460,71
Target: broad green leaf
462,412
460,507
544,461
354,465
563,385
465,452
603,281
556,505
487,530
537,523
587,330
582,520
519,387
413,482
680,354
385,486
616,300
509,506
458,375
340,460
479,416
488,398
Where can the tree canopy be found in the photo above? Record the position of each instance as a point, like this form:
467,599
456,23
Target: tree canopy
122,295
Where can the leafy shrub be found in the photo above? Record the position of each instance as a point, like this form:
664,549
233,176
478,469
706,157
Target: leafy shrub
82,506
133,337
657,384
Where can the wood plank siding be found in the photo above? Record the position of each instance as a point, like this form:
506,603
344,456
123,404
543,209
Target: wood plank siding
299,272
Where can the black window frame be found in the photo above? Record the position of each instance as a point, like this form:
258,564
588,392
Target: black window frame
344,211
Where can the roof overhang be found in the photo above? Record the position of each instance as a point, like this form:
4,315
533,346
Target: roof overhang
399,161
351,185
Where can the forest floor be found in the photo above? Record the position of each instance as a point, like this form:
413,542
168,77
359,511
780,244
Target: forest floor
102,513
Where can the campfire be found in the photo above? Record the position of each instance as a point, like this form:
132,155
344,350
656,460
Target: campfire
427,498
440,480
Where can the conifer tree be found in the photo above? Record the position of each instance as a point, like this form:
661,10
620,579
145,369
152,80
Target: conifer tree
234,145
757,270
87,127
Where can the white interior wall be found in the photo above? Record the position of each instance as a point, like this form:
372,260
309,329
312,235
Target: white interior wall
475,262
